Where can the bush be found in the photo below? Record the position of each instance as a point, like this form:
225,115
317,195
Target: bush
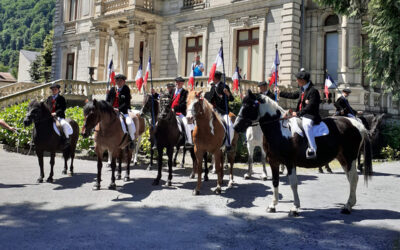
391,133
390,153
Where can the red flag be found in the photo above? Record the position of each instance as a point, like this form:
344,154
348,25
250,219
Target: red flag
218,62
329,83
272,80
139,78
146,76
191,78
111,73
235,79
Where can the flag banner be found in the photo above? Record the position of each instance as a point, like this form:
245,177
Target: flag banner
235,79
139,78
191,78
146,76
111,73
218,62
274,70
329,84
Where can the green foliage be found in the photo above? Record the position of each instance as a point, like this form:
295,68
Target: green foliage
390,153
241,149
76,113
23,25
41,68
381,58
391,133
145,145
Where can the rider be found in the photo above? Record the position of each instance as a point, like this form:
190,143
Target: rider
343,107
263,87
218,94
179,98
120,99
307,108
170,88
57,106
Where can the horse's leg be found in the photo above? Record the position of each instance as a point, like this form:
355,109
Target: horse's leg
263,159
151,156
128,162
119,169
205,167
250,149
352,177
160,153
195,166
199,159
320,170
275,183
136,151
40,159
293,184
65,166
170,154
112,185
360,165
213,164
52,161
176,154
219,169
71,166
99,166
183,157
328,169
231,161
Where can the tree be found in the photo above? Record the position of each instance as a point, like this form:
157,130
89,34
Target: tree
40,70
382,58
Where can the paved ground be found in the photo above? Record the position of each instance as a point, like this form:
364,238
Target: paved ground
67,214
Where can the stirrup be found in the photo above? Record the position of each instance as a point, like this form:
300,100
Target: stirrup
311,154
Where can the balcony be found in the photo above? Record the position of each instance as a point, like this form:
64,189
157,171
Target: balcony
114,5
193,4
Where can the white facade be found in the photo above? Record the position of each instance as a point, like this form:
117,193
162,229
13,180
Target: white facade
24,65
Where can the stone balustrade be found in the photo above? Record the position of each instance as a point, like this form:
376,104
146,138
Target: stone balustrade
16,87
113,5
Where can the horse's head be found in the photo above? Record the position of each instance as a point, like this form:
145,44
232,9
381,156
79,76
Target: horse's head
148,103
37,111
165,106
249,112
195,104
376,124
91,117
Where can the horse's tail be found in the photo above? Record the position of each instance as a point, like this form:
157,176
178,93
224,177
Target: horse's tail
367,158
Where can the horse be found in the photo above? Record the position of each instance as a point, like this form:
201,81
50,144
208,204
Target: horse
254,138
101,117
208,136
150,110
344,141
46,139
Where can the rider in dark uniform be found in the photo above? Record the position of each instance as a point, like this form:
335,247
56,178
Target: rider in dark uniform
343,107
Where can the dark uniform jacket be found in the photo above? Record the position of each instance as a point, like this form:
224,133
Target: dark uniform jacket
217,97
310,110
269,94
60,105
181,107
343,107
124,98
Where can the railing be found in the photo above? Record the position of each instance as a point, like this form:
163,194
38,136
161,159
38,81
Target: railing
16,87
192,3
148,4
112,5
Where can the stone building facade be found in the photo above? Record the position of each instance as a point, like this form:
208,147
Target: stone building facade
94,32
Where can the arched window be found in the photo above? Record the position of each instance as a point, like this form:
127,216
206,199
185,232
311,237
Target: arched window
331,47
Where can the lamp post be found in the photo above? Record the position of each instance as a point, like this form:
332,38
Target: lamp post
89,90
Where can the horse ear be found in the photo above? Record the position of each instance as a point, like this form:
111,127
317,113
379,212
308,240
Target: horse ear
94,102
259,98
250,94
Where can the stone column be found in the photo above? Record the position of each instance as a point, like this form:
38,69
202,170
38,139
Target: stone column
290,42
343,67
100,42
133,50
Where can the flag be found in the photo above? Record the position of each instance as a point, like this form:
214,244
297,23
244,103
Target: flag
218,62
274,70
139,78
329,83
191,77
111,73
146,76
235,79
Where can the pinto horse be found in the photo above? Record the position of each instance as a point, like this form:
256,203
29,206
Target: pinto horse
46,139
344,141
255,138
208,136
108,135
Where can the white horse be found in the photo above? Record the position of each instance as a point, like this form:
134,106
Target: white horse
255,137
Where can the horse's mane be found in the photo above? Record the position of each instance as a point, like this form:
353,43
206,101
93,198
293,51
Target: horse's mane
273,104
40,105
209,110
103,107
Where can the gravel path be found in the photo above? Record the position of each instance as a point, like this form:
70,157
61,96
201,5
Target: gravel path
67,214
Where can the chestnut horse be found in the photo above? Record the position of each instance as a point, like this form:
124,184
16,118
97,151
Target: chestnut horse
208,136
344,142
108,135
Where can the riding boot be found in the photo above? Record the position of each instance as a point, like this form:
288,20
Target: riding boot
132,144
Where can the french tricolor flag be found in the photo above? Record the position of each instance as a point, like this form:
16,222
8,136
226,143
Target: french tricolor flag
191,78
329,84
274,70
111,72
139,77
218,62
235,79
148,69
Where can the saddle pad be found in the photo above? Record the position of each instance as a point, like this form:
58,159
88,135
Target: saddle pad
58,131
318,130
121,119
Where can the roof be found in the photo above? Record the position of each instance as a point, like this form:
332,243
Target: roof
30,55
6,77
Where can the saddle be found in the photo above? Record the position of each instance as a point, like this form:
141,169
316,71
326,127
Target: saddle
296,126
58,128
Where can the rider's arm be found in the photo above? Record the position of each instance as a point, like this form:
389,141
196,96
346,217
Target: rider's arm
125,96
289,95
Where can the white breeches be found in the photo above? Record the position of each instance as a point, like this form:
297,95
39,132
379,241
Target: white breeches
231,130
131,126
67,129
188,127
307,125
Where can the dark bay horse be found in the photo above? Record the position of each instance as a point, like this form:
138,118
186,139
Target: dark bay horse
46,139
108,135
150,109
344,142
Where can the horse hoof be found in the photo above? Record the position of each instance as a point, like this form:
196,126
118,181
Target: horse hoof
40,180
293,214
49,180
169,183
265,178
149,167
96,186
345,211
112,186
156,182
329,171
71,173
205,178
127,178
246,176
271,210
118,177
320,171
196,192
108,165
182,165
64,172
230,184
217,191
191,176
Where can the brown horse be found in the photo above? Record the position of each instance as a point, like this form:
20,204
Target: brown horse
208,136
108,135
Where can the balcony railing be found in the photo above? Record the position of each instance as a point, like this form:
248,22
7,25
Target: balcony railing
192,3
112,5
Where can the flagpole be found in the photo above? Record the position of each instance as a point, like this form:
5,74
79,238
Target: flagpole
340,92
238,76
225,96
194,79
276,72
151,88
